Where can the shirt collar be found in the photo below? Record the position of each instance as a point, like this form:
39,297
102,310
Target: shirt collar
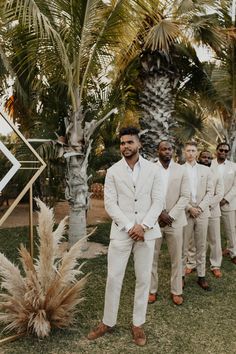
139,163
189,165
160,164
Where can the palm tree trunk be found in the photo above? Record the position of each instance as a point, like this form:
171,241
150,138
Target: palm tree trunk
157,107
77,196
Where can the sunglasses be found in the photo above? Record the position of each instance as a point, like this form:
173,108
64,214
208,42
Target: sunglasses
223,150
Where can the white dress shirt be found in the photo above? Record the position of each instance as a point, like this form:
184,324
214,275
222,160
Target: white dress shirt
165,173
193,179
221,168
133,173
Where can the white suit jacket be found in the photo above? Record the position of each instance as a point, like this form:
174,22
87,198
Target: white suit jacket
229,179
128,203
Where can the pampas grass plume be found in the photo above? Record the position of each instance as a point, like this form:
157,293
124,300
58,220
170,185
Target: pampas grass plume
50,290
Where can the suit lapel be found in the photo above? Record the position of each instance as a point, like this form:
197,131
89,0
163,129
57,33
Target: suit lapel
125,174
143,175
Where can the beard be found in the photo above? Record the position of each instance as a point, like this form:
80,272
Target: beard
129,153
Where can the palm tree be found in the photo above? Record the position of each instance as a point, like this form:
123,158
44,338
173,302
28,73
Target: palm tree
222,94
72,43
216,99
167,62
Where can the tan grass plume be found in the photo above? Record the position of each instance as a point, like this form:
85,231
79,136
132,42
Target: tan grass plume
48,292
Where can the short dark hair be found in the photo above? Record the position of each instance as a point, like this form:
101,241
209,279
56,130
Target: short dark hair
164,141
202,152
129,131
221,144
192,143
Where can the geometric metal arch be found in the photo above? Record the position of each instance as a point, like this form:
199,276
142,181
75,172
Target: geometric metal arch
28,187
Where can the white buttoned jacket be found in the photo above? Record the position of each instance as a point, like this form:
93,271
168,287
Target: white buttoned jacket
127,203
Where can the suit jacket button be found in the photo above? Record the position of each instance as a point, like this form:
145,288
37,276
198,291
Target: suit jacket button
136,212
135,200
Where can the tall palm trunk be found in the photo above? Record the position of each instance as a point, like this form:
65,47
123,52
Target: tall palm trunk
157,101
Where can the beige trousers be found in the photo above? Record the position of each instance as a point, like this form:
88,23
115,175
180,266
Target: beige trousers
198,228
214,241
229,222
174,240
118,255
191,258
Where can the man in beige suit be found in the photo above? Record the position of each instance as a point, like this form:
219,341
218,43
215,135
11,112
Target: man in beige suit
213,236
171,221
227,170
201,192
134,200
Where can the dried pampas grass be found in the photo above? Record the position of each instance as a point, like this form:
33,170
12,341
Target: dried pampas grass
50,290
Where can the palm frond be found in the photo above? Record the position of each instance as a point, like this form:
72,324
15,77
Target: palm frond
162,35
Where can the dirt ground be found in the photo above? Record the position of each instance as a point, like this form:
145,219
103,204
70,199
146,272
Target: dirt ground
96,215
20,215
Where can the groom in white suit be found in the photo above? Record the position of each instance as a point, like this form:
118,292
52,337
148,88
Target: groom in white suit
134,200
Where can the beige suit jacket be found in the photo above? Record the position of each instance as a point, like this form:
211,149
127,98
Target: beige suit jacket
178,194
126,203
218,187
204,191
229,179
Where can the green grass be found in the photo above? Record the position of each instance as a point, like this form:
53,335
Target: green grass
205,323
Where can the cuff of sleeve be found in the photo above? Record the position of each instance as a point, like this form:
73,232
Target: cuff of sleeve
128,227
147,225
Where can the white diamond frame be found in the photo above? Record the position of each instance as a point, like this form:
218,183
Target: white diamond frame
16,165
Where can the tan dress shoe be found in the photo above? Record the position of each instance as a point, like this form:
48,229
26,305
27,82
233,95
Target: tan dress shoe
152,298
177,299
216,272
99,331
139,337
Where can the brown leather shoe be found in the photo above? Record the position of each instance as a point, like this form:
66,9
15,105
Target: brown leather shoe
217,272
152,298
189,270
203,283
177,299
225,252
99,331
233,260
139,337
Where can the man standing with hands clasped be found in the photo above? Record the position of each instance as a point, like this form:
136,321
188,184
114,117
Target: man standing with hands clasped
133,199
227,171
198,212
172,220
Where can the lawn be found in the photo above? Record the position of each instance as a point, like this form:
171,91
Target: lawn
205,323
